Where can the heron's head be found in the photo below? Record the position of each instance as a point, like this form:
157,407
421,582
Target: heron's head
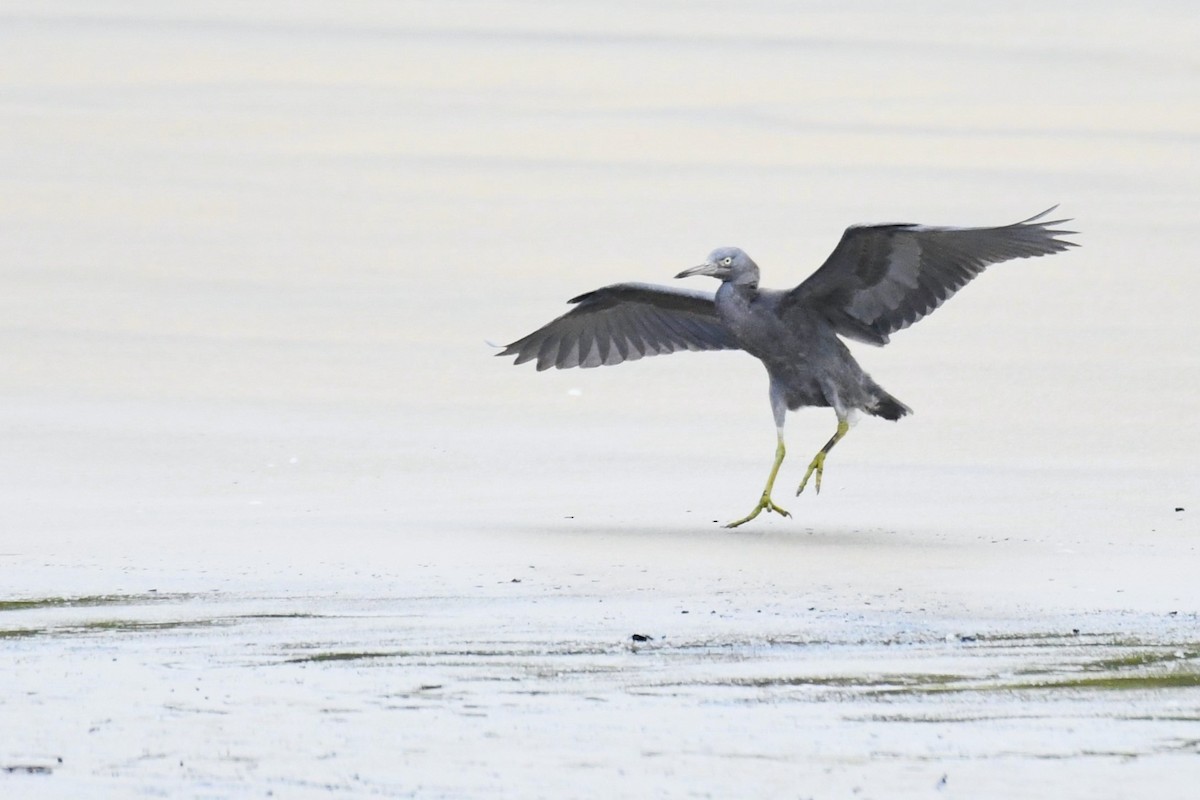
728,264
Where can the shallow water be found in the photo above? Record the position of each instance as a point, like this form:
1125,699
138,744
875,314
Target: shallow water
275,520
529,688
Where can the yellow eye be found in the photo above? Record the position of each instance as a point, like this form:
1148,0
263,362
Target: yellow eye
727,261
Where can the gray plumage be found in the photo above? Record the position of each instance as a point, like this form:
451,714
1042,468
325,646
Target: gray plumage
625,322
878,280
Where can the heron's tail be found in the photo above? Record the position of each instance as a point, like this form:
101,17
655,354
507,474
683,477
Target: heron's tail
888,407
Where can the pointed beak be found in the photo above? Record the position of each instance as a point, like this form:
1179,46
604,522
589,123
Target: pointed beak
707,268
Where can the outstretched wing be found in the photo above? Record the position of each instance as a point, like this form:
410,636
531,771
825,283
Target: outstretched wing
625,322
883,278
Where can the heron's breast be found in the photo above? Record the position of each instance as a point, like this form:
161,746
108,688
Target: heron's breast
762,332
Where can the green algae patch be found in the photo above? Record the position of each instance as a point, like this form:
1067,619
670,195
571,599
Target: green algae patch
21,633
1143,659
134,625
109,626
875,682
1131,675
88,601
319,658
1166,680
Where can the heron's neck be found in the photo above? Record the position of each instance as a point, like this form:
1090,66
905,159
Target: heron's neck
744,284
746,278
739,295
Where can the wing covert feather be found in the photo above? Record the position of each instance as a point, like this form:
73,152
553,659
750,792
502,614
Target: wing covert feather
883,278
625,322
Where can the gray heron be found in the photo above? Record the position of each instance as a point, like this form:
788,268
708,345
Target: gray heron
878,280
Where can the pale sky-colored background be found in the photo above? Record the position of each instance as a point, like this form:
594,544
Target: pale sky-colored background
220,215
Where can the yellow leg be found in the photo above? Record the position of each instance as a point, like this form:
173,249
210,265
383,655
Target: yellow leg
765,503
818,462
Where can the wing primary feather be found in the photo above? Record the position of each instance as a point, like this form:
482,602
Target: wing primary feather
624,322
882,278
603,339
548,351
656,334
675,329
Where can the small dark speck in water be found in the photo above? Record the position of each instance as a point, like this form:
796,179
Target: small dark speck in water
641,637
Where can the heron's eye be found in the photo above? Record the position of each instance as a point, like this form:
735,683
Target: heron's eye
727,261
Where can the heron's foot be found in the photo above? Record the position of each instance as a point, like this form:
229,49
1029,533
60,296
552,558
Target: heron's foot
764,504
815,468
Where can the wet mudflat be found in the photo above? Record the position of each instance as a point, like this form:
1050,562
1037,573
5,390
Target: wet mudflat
220,694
